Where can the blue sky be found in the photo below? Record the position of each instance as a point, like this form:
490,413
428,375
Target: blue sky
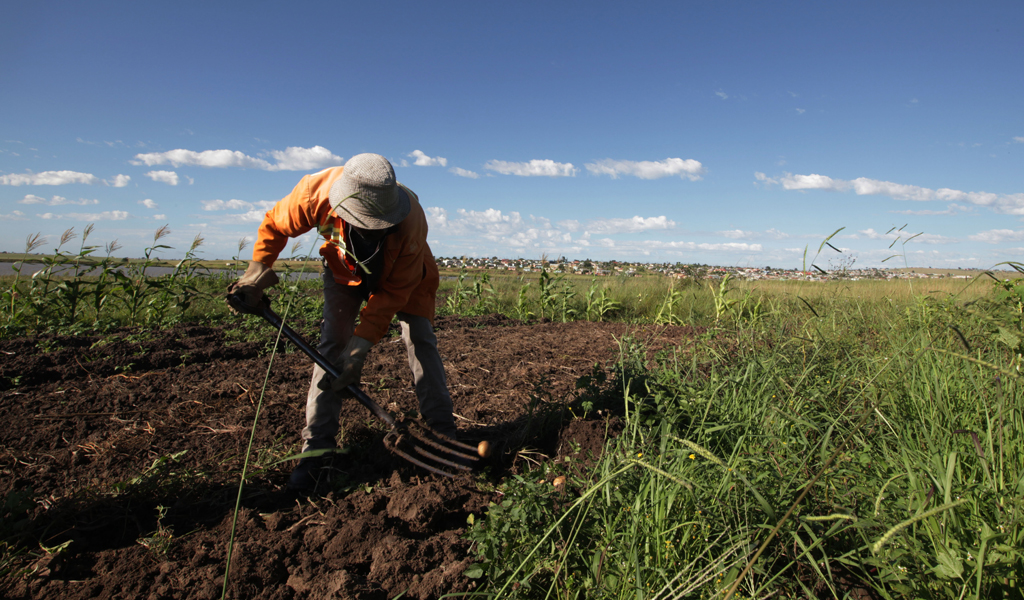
730,133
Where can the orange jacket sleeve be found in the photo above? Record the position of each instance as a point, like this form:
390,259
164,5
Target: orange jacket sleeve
300,211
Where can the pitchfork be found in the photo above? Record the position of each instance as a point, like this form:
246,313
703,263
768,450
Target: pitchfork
406,437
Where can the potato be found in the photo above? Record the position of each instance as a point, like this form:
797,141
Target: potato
483,449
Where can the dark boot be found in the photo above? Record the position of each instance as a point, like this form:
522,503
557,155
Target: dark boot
311,473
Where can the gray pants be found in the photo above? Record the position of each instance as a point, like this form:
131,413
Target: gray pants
341,306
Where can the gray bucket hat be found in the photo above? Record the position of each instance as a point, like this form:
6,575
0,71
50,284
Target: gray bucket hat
367,195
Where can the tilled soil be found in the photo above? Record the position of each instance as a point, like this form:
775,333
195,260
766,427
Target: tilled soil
121,456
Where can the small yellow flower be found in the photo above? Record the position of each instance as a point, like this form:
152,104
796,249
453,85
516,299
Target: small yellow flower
693,457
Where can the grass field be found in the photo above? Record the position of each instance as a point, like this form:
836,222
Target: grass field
838,439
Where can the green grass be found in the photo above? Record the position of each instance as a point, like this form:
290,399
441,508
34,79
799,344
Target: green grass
856,442
821,438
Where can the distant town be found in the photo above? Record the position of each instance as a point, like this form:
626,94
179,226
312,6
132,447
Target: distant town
612,268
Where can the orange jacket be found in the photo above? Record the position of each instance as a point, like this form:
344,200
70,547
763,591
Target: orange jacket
408,281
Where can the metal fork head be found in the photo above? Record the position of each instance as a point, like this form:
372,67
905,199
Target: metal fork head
417,443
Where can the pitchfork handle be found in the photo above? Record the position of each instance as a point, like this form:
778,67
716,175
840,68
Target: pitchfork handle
264,310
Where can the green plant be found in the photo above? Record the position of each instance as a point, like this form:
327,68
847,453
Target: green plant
523,312
599,305
457,298
159,541
135,291
483,294
723,304
666,311
180,289
105,282
12,295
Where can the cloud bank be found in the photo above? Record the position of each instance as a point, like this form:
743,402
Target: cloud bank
1010,204
534,168
254,211
49,178
646,169
464,173
289,159
56,201
532,235
422,160
997,236
107,215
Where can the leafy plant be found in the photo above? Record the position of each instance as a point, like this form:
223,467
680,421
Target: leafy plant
159,542
599,305
13,295
134,290
666,311
523,312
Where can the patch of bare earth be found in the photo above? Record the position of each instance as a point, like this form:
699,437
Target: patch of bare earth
129,448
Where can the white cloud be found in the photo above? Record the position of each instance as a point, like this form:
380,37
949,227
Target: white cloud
254,211
996,236
295,158
646,169
635,225
15,215
1012,204
118,181
462,232
148,203
49,178
534,168
206,158
168,177
56,201
772,234
289,159
722,95
534,234
923,238
1019,139
952,209
159,217
232,204
464,173
801,111
775,234
107,215
726,247
422,160
813,182
251,216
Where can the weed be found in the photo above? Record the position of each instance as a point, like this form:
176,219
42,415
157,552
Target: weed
159,542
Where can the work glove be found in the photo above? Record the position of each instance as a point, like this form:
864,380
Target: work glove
250,286
351,363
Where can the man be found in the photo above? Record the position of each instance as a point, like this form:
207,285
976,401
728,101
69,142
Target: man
375,251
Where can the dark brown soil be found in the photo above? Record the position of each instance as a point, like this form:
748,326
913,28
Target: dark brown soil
101,435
